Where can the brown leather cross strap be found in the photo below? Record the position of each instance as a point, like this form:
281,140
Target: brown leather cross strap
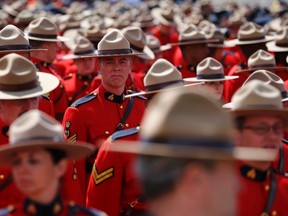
6,182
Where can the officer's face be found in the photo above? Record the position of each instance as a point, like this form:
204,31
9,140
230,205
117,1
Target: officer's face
36,175
262,132
115,71
216,88
195,53
12,109
52,49
85,66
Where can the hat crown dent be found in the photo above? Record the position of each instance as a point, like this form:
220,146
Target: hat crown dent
113,40
257,95
35,125
153,42
42,26
282,37
191,32
268,78
251,31
188,116
15,69
162,71
209,66
11,35
135,36
83,45
261,58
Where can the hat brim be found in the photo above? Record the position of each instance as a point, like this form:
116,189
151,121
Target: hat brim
193,152
272,47
146,54
73,151
58,39
23,50
171,88
283,114
73,56
194,79
117,54
223,45
262,68
47,83
194,42
239,42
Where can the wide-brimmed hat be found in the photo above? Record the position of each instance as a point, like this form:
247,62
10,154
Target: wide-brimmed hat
138,43
114,43
256,98
191,35
19,79
82,49
280,44
35,129
42,29
94,32
164,15
24,18
162,76
251,33
12,39
212,32
268,78
210,70
154,44
186,124
261,60
15,8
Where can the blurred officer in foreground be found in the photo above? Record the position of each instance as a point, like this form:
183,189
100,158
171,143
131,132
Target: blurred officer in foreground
37,153
186,163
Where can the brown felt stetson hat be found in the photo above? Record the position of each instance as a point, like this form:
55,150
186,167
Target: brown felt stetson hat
19,79
210,70
36,130
43,29
12,39
82,49
192,35
114,43
138,43
154,44
162,76
251,33
256,97
261,60
280,44
268,78
186,124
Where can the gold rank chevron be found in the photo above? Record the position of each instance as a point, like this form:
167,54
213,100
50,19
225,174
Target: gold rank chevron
72,139
103,176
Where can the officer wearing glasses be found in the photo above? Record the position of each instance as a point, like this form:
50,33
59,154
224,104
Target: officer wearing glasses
260,122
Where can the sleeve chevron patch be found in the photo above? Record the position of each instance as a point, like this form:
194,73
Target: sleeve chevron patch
103,176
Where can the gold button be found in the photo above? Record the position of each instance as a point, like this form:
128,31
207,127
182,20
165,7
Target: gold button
70,98
2,176
267,187
86,83
94,93
274,213
106,132
127,125
61,86
121,107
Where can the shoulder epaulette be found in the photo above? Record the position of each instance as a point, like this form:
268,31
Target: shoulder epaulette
45,97
6,211
123,133
84,99
285,141
70,75
75,208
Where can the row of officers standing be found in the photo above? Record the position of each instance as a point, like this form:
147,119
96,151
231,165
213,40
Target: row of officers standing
191,162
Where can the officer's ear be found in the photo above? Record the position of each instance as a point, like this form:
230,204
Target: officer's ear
60,168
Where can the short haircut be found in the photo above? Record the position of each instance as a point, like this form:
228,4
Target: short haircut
56,154
159,175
